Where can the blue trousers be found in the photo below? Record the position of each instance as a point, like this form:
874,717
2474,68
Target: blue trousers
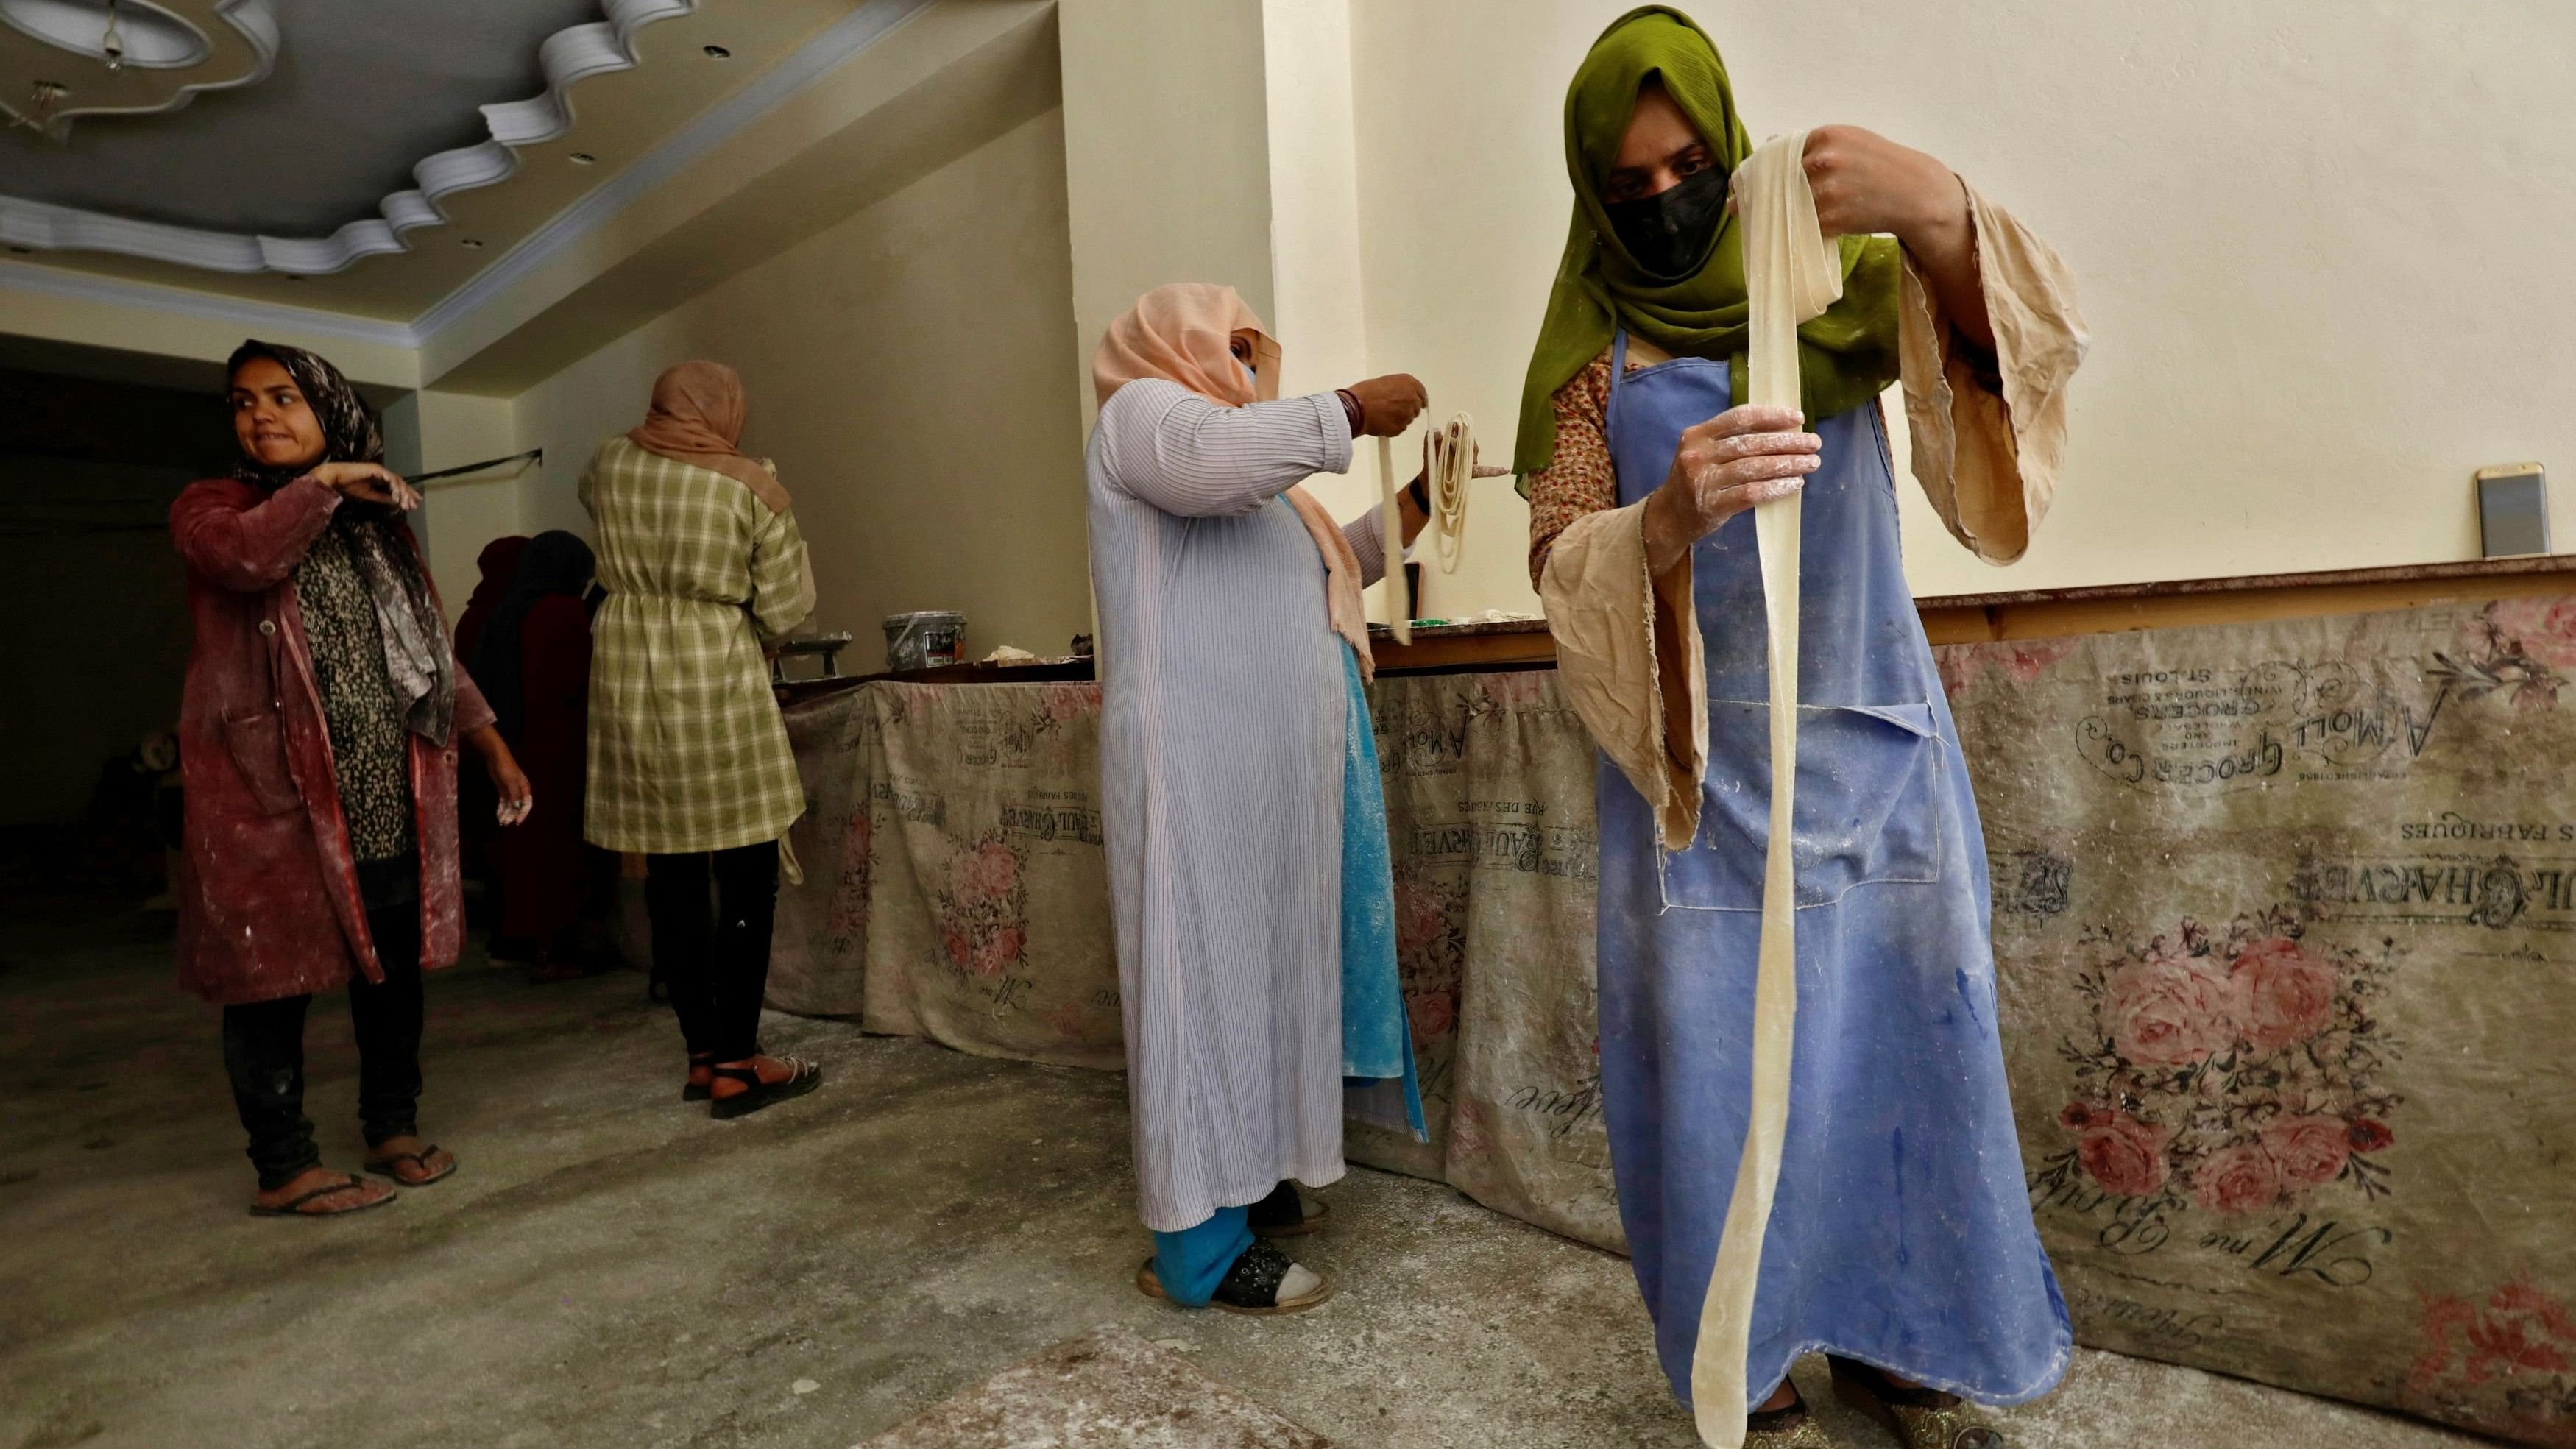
1193,1261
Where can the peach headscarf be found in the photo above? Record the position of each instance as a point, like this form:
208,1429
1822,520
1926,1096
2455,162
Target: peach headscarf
1183,333
696,417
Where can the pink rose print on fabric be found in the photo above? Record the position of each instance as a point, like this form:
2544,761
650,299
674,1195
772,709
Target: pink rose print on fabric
997,952
2118,1151
2238,1179
1961,666
983,911
2542,630
2308,1150
2230,1071
2520,648
1430,952
1432,1014
2284,994
1065,703
1420,920
2505,1365
2173,1009
997,869
847,918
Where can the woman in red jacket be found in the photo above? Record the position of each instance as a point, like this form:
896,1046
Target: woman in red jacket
317,731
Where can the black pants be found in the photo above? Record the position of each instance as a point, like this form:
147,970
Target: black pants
714,955
264,1055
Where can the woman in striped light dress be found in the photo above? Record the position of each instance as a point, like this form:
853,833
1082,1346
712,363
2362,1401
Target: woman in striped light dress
1246,831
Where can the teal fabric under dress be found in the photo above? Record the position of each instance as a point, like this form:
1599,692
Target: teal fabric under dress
1377,1044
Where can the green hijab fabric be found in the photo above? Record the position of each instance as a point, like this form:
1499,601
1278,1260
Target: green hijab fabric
1845,357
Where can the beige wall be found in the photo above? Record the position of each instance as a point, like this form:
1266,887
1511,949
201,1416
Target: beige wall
430,430
2311,238
906,370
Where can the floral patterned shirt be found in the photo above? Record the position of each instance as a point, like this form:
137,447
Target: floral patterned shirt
370,756
1578,479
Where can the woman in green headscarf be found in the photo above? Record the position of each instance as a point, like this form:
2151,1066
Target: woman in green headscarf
1899,1239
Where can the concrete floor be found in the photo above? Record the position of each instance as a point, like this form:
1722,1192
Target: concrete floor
611,1268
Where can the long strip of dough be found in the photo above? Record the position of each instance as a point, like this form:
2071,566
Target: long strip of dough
1792,272
1399,602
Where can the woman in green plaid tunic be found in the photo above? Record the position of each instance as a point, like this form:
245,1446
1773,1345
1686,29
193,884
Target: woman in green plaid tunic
689,761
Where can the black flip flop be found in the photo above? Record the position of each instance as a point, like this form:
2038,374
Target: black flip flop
805,1077
1283,1214
384,1167
293,1207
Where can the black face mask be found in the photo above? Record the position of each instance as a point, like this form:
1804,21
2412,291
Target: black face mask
1670,233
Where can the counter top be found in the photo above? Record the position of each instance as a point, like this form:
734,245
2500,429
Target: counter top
1947,618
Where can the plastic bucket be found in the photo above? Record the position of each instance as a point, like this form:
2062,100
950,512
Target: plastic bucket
923,640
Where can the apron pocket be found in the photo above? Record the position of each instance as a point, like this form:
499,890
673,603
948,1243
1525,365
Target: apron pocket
1868,807
258,747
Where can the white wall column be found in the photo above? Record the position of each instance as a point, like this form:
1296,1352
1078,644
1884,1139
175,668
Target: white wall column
1166,155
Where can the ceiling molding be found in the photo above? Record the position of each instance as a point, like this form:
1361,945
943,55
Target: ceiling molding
567,56
118,292
842,41
236,46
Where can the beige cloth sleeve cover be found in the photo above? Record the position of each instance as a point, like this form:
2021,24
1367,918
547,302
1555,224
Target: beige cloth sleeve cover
1645,706
1989,463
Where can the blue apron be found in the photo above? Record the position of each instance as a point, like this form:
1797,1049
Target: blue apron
1901,1235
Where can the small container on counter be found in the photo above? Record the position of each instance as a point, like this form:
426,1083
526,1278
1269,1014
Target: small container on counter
925,639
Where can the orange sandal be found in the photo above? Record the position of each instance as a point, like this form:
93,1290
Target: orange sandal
391,1166
302,1206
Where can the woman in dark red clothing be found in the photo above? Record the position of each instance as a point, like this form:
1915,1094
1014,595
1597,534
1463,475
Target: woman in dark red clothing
498,565
317,735
534,662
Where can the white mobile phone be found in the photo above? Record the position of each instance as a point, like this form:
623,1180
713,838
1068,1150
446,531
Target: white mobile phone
2513,510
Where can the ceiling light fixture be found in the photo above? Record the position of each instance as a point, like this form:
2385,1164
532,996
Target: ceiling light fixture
111,46
151,59
716,52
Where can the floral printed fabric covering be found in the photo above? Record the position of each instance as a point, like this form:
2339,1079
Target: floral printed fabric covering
2283,914
2285,918
954,882
1489,781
